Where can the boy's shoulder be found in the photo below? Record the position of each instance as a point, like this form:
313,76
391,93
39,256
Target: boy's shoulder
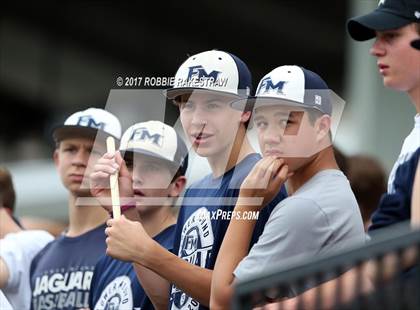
64,247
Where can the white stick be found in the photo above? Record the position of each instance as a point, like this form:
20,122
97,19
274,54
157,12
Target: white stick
113,181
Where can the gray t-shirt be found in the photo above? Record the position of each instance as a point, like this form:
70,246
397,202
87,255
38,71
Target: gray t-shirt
322,215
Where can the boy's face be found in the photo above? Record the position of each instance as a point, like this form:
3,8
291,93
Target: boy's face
151,179
397,61
74,159
287,133
209,121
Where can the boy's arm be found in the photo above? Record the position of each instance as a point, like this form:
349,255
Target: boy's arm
234,248
128,241
263,181
156,287
191,279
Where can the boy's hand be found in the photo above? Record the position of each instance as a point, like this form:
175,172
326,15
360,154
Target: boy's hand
99,180
127,240
264,181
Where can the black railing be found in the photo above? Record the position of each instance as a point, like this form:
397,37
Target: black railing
396,283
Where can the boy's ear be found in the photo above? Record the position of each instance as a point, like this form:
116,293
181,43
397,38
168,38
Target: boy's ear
323,127
177,186
56,157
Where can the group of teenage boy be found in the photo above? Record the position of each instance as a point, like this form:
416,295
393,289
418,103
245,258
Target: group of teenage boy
151,256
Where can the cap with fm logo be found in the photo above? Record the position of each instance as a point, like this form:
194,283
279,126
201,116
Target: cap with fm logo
390,14
292,86
158,140
89,123
213,71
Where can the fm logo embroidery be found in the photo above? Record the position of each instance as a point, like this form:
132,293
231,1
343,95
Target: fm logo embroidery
267,86
142,134
88,121
200,73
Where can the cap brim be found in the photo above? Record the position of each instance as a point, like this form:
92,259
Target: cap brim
256,102
172,93
363,27
66,132
416,44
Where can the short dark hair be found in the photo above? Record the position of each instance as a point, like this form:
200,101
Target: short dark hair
368,181
178,173
313,115
7,191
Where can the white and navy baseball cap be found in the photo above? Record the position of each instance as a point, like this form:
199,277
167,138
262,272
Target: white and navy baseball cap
416,44
291,86
390,14
158,140
213,71
91,123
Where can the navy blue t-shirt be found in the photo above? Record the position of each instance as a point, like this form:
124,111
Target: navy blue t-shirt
204,218
395,206
62,272
115,284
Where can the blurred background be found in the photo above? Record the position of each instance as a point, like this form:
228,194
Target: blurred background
56,59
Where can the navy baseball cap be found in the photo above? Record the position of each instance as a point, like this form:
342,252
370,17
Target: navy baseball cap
290,86
89,123
158,140
390,14
416,44
215,71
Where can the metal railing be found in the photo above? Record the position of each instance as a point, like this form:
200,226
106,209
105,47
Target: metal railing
388,251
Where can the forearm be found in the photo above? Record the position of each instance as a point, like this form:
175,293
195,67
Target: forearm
234,248
193,280
156,287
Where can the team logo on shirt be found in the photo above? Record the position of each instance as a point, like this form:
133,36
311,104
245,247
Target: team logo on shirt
116,295
57,289
196,244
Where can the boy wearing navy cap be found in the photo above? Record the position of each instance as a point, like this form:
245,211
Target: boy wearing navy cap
292,115
61,273
394,25
204,86
155,162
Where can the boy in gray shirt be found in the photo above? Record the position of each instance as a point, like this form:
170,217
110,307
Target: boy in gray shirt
292,115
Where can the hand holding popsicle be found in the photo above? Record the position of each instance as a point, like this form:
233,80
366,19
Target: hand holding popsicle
113,181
